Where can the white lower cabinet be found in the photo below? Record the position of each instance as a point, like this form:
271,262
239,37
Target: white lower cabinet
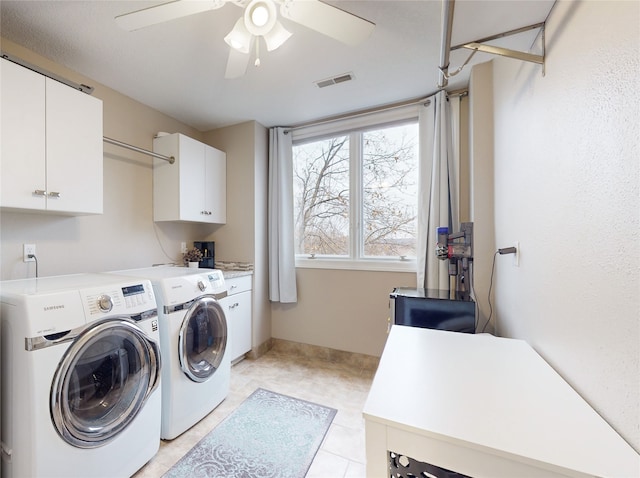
237,307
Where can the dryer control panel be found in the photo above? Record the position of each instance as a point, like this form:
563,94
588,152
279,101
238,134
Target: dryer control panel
216,279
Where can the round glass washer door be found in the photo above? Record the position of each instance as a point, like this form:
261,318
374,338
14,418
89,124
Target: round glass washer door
202,339
102,382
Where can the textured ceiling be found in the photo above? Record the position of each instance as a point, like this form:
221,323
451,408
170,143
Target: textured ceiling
178,67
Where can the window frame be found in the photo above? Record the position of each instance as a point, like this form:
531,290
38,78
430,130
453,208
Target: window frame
356,126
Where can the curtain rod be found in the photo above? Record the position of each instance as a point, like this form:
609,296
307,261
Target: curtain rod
355,114
461,92
169,159
416,101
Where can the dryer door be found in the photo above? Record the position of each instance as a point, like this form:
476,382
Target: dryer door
102,382
203,339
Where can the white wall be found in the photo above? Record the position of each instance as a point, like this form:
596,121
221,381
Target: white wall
340,309
244,237
567,187
481,188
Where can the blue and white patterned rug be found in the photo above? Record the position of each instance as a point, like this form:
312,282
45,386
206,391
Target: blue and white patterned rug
268,436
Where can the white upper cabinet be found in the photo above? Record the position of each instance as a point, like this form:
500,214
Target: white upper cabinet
51,153
194,188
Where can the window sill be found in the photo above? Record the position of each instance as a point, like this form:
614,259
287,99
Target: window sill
361,265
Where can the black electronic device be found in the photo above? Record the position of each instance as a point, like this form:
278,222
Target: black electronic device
208,249
433,309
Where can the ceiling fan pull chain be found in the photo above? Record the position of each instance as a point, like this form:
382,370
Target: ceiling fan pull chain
257,62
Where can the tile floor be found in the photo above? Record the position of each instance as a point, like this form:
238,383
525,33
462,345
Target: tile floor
335,379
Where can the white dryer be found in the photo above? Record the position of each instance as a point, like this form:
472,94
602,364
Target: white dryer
194,342
81,393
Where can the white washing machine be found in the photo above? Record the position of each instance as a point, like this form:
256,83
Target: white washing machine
194,343
81,393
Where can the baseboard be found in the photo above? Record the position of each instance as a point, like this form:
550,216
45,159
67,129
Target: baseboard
260,350
366,362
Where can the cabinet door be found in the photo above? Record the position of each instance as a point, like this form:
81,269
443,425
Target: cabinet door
194,188
238,313
74,150
241,306
215,192
225,302
22,153
192,180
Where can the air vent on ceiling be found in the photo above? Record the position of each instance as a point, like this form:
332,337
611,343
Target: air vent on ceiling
335,80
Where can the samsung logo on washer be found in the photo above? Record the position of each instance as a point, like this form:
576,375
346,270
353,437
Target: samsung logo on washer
53,307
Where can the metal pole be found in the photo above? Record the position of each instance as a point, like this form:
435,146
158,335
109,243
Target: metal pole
445,46
115,142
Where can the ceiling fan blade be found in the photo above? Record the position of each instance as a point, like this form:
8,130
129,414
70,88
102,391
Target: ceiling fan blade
236,64
328,20
165,12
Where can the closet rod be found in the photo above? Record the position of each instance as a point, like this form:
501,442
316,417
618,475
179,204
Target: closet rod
169,159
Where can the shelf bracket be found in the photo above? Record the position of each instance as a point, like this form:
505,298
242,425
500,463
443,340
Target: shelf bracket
496,50
479,45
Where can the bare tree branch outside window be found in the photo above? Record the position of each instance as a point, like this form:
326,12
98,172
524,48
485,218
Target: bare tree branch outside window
389,191
322,207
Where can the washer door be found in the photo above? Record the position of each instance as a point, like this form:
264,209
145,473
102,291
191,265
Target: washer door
102,382
203,339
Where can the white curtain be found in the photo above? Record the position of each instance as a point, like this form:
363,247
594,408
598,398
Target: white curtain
282,267
439,190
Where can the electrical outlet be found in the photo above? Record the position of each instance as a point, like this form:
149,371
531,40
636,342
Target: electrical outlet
27,250
516,256
183,247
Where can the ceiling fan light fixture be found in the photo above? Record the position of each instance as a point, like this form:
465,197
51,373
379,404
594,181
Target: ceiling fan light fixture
260,17
239,37
276,37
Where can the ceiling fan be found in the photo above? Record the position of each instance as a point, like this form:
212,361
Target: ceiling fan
259,20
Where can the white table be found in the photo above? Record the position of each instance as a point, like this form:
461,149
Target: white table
486,407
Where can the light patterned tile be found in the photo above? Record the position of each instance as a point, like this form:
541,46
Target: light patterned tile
327,465
346,442
331,378
356,470
153,469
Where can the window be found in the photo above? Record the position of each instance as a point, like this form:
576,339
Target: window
355,196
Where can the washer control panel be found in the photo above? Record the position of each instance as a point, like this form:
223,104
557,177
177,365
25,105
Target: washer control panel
129,299
105,304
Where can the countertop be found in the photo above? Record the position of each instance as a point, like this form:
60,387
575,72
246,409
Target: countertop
230,274
496,395
232,269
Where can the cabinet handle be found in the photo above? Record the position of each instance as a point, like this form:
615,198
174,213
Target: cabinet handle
206,213
39,192
54,194
233,287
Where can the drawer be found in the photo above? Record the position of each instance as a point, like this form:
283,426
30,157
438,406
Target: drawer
238,284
